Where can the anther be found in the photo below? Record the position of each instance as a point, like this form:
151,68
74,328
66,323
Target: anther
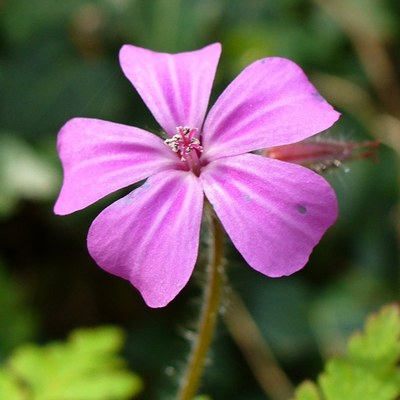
184,142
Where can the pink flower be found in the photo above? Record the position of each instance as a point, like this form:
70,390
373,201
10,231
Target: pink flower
273,211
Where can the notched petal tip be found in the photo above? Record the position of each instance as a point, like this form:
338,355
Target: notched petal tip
140,237
175,87
127,48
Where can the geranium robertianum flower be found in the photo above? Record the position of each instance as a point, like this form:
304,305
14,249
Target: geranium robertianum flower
274,212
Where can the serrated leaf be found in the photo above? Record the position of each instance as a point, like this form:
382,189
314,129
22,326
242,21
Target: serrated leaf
378,349
104,339
97,386
86,367
370,372
345,381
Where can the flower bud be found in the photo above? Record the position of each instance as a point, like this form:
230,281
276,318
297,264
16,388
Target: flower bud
322,155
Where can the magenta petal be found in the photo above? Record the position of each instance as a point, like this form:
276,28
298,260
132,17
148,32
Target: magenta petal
270,103
273,211
151,236
99,157
175,87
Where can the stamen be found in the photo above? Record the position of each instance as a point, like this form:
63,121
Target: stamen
184,142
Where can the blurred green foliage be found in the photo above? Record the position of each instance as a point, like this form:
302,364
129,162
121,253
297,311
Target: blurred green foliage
24,174
17,321
59,60
371,369
86,367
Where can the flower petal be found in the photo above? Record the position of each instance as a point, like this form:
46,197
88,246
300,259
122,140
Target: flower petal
151,236
175,87
269,104
99,157
273,211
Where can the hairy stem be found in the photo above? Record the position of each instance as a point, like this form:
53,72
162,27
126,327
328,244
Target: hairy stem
208,317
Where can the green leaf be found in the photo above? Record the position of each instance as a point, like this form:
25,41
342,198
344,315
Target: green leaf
307,391
343,380
86,367
9,388
370,371
378,349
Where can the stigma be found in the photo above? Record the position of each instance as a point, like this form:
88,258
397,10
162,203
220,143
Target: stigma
184,143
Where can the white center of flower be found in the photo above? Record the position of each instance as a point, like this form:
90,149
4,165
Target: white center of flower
184,142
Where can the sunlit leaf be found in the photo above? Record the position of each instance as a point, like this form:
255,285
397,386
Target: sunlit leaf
86,367
343,380
307,391
378,349
9,388
370,371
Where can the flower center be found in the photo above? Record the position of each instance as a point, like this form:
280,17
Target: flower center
187,146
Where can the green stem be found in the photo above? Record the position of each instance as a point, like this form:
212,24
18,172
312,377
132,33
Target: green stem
215,277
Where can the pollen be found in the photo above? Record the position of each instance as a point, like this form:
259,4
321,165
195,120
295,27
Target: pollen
184,142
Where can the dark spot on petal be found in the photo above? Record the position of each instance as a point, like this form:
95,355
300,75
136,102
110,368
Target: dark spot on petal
301,209
247,197
317,96
263,61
